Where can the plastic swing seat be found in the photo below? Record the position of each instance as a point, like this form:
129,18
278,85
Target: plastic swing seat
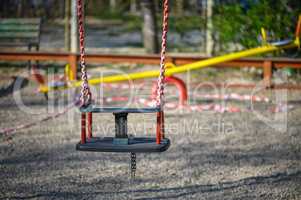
134,145
121,142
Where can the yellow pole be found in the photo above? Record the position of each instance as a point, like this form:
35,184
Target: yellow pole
225,58
180,69
264,36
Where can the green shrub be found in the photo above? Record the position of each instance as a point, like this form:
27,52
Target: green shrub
235,24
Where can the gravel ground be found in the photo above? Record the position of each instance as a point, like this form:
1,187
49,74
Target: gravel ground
212,156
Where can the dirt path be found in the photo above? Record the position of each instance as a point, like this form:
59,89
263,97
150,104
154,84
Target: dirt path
212,156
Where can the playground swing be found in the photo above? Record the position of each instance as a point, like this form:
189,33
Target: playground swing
121,142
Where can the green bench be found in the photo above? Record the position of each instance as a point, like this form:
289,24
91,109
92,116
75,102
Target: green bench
20,32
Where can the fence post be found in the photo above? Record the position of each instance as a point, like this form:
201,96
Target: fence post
73,66
267,73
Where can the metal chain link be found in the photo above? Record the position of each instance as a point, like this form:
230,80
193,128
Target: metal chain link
85,90
160,88
133,165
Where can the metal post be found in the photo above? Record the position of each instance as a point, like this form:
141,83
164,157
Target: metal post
73,66
121,125
83,132
121,137
90,125
267,73
160,127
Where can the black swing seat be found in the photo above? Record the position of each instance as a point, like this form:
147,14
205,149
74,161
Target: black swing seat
121,142
135,145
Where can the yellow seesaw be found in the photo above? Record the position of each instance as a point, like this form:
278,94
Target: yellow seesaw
276,46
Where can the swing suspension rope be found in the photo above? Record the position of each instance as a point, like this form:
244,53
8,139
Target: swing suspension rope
160,88
85,89
85,97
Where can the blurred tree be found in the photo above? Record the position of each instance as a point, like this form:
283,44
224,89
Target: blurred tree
150,39
74,27
240,22
209,24
19,9
46,9
67,24
133,7
179,8
95,7
113,5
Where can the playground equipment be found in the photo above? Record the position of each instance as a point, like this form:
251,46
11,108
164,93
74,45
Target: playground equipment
265,48
121,142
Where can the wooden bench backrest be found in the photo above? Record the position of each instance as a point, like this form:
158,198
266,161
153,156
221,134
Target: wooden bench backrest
20,31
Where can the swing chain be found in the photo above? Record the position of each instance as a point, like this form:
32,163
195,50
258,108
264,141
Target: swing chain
133,165
85,97
160,87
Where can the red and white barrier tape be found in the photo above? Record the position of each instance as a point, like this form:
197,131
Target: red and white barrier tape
234,96
231,96
198,108
281,108
168,105
122,86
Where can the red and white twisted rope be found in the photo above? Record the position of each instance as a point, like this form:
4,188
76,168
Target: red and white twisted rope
160,91
85,90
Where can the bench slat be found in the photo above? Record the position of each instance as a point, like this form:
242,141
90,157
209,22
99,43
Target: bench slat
19,31
19,44
11,35
18,28
20,21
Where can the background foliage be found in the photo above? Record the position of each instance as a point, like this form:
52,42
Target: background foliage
241,23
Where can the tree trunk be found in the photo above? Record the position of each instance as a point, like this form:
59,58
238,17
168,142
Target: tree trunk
74,27
113,5
179,8
150,39
67,25
193,6
19,9
133,7
209,26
